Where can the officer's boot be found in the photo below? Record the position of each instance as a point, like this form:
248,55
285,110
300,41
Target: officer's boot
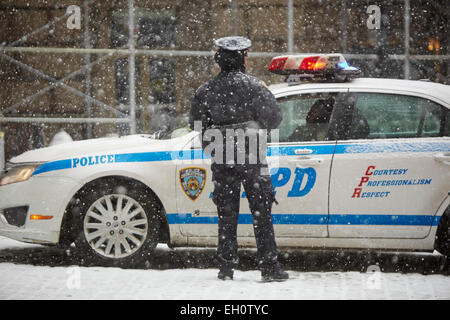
273,273
226,269
225,274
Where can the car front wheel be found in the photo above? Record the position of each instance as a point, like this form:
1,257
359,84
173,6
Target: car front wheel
118,225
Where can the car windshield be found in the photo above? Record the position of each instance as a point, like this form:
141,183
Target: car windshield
171,134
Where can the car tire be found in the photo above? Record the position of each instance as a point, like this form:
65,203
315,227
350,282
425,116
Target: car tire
117,224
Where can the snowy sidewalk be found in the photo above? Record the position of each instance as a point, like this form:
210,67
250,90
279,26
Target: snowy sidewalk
61,280
32,282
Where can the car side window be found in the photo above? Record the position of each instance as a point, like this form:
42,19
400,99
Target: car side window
432,119
447,123
380,116
305,117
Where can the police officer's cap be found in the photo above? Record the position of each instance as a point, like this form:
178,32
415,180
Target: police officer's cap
234,43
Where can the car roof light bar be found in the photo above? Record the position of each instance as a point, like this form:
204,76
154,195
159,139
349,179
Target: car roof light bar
314,67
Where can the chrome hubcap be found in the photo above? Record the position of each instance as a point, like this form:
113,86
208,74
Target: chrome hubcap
115,226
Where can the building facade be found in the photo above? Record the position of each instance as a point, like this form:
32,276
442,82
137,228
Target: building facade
65,65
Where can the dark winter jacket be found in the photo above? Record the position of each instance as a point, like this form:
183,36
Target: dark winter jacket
234,99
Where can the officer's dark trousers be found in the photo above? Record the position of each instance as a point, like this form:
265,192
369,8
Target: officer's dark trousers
227,193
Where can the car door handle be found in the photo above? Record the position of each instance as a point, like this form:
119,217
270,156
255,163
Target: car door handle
444,158
307,161
303,151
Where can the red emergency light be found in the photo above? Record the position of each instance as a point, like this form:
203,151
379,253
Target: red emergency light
332,67
312,64
277,64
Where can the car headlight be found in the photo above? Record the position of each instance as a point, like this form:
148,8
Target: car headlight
18,174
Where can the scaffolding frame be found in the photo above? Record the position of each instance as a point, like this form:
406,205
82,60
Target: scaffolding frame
132,52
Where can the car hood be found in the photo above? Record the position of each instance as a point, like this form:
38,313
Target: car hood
115,145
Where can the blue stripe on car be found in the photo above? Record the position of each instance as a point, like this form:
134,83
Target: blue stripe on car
54,165
316,219
391,147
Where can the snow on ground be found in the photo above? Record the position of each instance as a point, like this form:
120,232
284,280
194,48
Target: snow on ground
44,281
30,282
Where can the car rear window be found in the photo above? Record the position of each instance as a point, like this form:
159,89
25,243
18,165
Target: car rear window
379,115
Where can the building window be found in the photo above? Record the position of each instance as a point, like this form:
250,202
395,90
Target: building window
157,31
162,94
154,30
162,81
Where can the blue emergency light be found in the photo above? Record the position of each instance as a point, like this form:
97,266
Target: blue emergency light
316,67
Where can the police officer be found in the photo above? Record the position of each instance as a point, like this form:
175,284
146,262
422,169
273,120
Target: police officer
233,99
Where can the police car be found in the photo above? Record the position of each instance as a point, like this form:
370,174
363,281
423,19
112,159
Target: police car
356,163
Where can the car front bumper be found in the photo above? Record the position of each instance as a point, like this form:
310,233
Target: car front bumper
42,196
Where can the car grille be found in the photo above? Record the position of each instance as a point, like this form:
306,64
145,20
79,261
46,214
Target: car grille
15,216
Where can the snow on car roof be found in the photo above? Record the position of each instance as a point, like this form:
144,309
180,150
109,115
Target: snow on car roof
425,89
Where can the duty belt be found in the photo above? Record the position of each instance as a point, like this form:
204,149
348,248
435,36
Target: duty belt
240,125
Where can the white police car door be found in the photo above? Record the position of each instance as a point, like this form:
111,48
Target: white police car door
196,213
299,165
390,178
300,172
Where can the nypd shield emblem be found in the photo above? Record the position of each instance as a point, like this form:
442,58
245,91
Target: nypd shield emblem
192,181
